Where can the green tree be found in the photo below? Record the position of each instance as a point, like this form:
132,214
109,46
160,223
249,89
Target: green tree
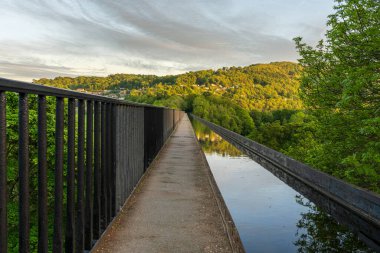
341,84
12,172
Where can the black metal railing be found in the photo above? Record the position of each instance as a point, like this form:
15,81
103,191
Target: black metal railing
102,147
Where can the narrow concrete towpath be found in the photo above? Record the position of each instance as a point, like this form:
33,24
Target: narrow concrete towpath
174,209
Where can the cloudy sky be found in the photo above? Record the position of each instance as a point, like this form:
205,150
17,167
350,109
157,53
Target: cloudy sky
48,38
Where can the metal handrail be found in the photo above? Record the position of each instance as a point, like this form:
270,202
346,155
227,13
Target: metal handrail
31,88
108,150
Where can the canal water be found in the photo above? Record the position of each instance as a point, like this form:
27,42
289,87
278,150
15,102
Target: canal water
269,215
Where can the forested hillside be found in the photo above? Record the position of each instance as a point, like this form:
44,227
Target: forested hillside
260,101
260,86
256,101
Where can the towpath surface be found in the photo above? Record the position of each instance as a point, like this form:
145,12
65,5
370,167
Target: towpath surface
175,208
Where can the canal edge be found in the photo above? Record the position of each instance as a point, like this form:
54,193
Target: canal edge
228,223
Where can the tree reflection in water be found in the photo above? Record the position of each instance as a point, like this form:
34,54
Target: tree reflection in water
213,143
316,231
319,232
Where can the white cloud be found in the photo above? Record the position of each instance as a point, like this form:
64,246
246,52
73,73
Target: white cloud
156,37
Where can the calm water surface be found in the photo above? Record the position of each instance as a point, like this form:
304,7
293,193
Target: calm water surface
270,216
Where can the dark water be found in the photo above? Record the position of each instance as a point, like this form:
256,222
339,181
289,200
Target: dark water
269,215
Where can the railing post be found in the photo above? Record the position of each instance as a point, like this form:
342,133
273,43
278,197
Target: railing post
141,139
125,152
97,178
133,147
70,222
128,124
109,162
79,244
118,147
89,169
23,160
58,174
161,130
173,120
114,116
42,177
3,176
104,198
147,143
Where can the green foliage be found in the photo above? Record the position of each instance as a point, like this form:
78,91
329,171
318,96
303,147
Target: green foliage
261,86
289,131
211,142
224,113
12,162
319,232
341,85
94,83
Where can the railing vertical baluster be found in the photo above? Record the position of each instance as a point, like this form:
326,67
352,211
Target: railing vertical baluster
155,135
109,163
157,132
58,175
161,118
97,179
173,112
118,175
70,223
120,155
104,168
89,167
152,136
42,177
124,152
134,144
130,149
136,136
137,142
23,160
3,175
133,133
79,244
141,140
151,139
145,138
113,159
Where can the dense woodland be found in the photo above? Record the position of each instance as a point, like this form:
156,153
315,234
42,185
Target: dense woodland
323,111
260,86
268,103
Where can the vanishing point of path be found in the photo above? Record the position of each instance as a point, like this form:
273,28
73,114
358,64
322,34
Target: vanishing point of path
176,207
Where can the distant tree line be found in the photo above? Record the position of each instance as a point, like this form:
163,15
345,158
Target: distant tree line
262,102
